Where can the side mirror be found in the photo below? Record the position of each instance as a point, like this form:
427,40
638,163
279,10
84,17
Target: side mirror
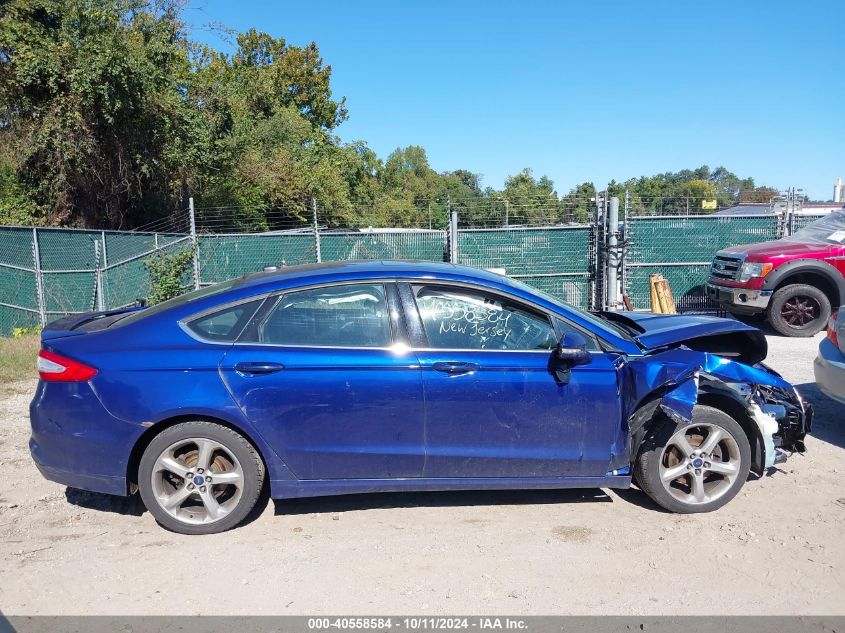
571,350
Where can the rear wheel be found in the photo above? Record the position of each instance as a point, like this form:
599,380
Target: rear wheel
200,478
696,467
798,310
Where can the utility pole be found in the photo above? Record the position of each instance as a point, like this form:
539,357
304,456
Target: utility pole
507,213
194,243
316,229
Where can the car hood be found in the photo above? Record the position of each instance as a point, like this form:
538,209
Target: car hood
723,337
764,251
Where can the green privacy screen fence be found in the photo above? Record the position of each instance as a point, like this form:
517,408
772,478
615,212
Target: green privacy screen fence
55,272
558,260
47,273
681,248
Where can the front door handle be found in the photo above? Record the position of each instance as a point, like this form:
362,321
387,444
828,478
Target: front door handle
455,368
259,368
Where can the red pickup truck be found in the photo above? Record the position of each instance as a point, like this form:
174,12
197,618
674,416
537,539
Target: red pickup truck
792,281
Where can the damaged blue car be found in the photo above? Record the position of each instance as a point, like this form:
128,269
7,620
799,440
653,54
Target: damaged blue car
360,377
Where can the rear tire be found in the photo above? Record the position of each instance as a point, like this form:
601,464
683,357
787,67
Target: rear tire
698,467
200,478
798,310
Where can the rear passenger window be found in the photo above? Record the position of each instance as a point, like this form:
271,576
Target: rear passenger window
224,325
353,315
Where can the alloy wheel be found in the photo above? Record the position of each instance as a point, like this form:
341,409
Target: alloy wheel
197,480
699,463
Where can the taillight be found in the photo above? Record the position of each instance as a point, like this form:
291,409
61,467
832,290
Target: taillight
831,329
54,367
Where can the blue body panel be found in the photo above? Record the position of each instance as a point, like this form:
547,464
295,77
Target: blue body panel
338,420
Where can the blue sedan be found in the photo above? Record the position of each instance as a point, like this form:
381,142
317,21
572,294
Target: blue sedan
388,376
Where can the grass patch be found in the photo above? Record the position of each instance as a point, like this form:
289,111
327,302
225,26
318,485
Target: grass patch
17,358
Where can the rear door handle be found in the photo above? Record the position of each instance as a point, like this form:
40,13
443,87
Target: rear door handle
455,368
258,368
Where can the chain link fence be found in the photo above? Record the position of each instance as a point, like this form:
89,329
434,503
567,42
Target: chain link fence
682,248
46,273
557,260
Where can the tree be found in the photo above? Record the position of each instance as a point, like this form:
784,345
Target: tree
91,105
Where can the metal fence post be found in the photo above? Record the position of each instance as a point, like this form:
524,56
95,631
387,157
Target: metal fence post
196,246
39,279
612,254
316,229
98,273
453,237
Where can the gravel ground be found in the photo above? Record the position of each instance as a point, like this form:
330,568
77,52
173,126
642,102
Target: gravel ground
775,549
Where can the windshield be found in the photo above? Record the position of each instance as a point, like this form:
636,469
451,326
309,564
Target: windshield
596,320
829,229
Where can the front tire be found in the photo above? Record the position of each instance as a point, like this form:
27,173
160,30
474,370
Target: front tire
698,467
798,310
200,478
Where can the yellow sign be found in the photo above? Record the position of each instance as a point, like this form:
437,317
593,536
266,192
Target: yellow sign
708,204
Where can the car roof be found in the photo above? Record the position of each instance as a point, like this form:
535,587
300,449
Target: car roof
344,270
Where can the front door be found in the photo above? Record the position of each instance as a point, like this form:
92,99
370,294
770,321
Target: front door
494,405
322,379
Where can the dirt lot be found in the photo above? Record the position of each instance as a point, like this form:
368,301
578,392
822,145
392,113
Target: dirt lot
776,549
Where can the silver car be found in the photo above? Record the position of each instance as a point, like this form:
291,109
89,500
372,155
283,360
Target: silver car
830,363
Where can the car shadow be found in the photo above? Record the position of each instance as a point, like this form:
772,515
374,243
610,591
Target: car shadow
827,420
444,499
131,506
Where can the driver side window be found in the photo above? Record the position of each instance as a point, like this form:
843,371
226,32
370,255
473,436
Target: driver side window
458,318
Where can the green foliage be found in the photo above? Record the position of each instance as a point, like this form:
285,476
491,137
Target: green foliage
168,274
110,117
20,332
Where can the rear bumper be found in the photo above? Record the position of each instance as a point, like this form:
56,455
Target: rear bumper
112,485
742,300
76,442
829,370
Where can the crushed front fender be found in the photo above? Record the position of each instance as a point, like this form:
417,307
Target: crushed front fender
672,382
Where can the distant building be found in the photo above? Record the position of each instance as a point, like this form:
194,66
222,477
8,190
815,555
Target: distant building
838,191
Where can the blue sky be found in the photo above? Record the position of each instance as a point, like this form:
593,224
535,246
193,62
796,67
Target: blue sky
589,90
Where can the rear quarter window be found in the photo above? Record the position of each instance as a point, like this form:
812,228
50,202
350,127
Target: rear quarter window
224,325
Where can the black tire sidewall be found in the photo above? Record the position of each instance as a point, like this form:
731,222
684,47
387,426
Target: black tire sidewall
782,295
245,453
647,466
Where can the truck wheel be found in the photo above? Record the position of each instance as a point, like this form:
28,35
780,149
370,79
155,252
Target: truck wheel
798,310
696,467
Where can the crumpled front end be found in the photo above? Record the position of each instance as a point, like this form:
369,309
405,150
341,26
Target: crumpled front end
672,382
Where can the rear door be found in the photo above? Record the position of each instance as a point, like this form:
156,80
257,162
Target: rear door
494,406
325,375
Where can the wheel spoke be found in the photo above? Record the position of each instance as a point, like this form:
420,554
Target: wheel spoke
205,449
680,440
214,509
670,474
728,469
172,465
231,477
698,488
713,438
177,498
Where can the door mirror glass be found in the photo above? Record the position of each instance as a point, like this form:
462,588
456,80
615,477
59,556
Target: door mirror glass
571,350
